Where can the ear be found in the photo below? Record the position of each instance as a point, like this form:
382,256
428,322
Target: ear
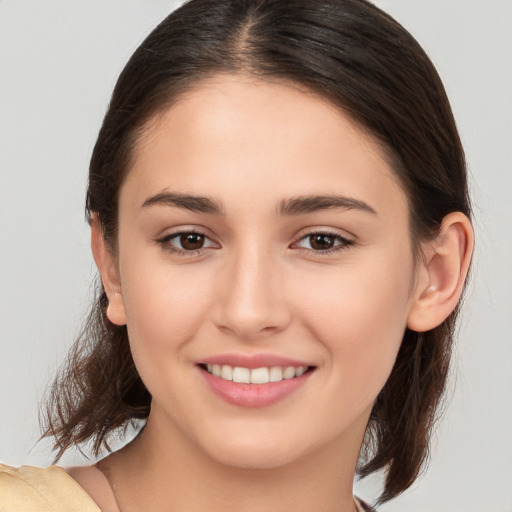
106,263
442,274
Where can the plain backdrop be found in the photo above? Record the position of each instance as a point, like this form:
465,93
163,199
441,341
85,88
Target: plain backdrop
59,60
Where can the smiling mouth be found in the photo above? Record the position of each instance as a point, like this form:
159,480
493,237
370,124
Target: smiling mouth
263,375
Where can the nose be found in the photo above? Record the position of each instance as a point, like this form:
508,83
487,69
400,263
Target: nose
251,302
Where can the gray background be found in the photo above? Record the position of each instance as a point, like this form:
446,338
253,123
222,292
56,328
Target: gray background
58,63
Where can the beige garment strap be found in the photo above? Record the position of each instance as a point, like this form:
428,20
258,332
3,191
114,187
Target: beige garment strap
41,490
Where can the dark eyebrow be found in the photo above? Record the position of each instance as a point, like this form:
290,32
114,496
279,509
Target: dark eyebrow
186,201
309,204
294,206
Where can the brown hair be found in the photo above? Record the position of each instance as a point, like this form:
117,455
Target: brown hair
363,61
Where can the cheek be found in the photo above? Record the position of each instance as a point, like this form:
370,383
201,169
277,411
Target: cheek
359,316
164,309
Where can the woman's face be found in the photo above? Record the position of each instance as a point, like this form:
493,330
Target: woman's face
261,230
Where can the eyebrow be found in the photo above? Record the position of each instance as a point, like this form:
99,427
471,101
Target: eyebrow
309,204
287,207
186,201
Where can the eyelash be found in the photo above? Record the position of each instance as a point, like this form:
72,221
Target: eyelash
165,242
344,243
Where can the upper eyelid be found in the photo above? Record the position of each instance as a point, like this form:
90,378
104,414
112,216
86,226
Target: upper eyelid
325,231
345,241
176,234
186,230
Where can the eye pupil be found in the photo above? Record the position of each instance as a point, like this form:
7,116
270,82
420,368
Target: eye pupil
192,241
321,242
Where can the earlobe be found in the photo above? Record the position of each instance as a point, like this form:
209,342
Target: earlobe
443,273
105,261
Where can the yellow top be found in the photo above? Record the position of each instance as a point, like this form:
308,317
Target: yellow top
31,489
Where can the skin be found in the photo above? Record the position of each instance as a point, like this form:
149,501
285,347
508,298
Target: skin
259,286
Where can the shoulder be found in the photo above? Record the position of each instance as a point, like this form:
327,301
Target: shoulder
41,489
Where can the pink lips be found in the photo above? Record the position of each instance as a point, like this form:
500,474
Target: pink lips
253,395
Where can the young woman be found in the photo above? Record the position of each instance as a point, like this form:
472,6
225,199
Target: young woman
281,223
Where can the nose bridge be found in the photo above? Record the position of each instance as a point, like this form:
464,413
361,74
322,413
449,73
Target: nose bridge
251,301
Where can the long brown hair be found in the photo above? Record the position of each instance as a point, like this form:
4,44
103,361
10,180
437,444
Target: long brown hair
368,65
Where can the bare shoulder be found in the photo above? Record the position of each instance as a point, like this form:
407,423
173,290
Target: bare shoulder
95,484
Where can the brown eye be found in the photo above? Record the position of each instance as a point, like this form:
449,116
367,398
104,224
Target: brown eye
324,243
192,241
321,242
187,243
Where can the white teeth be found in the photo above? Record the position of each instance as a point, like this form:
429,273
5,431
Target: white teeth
226,372
241,375
255,376
299,371
259,376
289,372
276,374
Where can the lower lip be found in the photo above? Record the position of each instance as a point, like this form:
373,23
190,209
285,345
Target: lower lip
253,395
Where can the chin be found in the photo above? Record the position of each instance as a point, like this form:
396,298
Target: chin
253,452
256,459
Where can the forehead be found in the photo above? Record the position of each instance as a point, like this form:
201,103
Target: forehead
231,134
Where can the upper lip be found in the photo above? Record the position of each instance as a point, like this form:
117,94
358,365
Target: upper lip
253,361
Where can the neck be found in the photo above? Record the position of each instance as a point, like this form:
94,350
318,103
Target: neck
162,472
